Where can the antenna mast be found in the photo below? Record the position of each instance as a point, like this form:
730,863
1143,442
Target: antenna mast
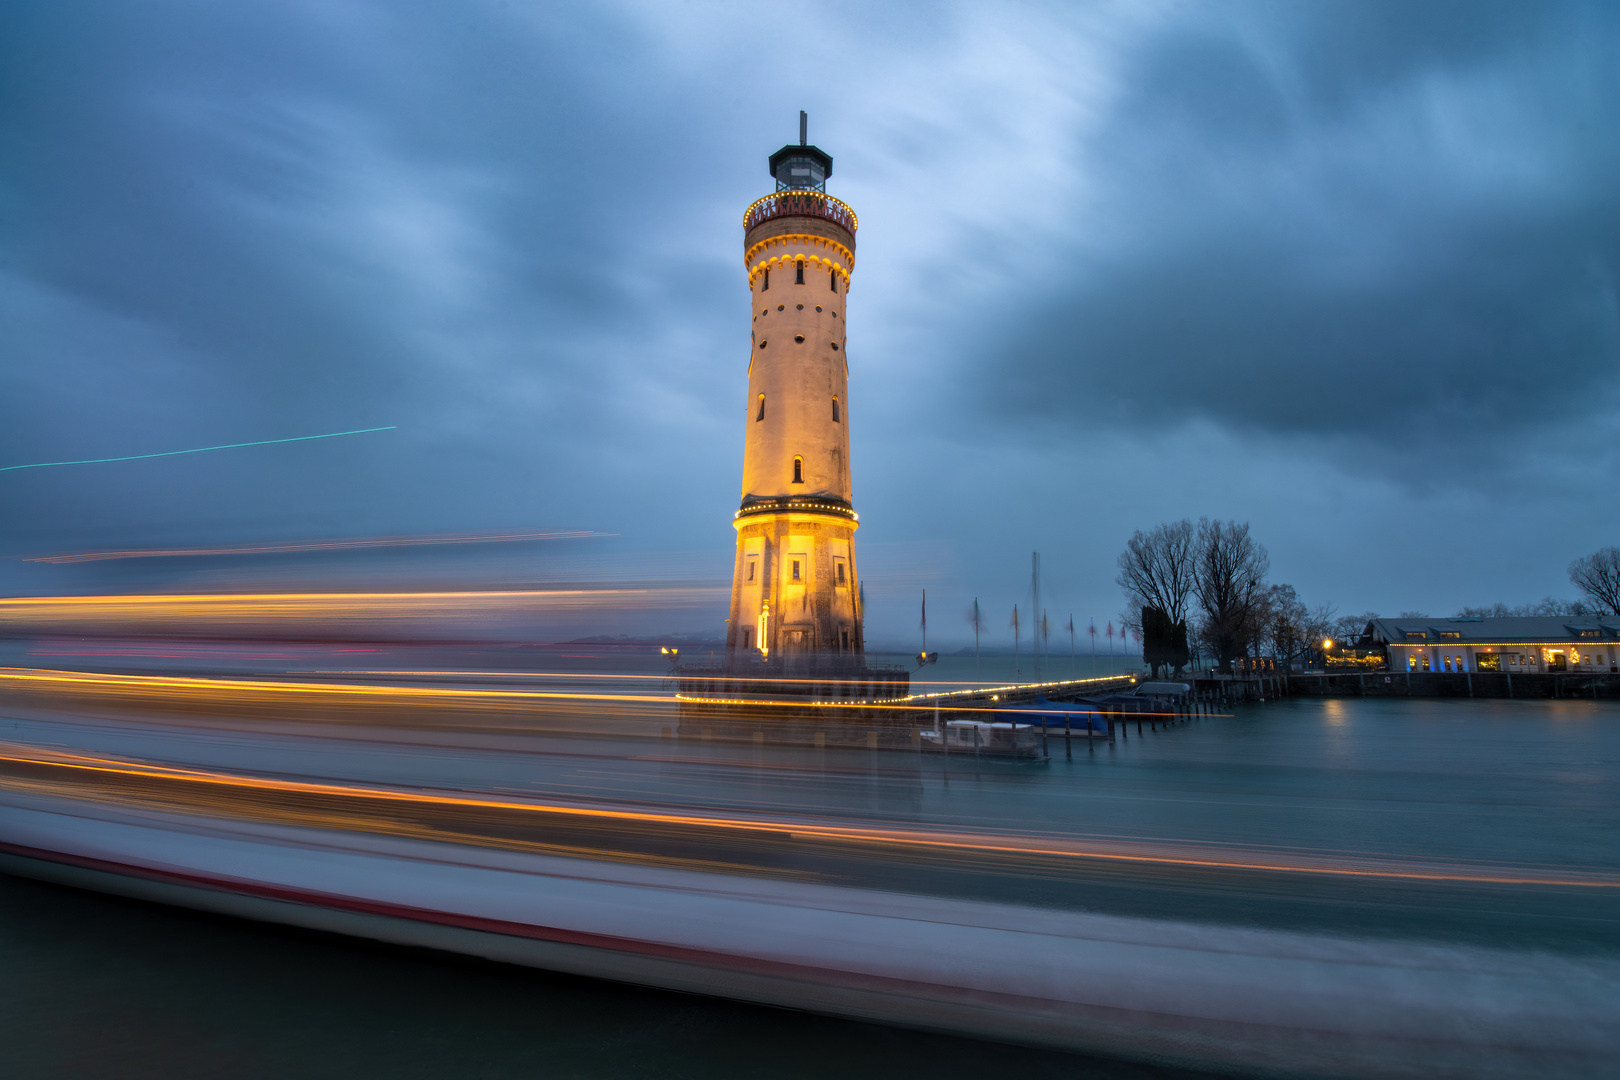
804,128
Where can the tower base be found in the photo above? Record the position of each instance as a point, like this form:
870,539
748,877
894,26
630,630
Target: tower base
808,699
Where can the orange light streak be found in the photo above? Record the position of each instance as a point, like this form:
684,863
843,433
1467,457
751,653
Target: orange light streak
792,830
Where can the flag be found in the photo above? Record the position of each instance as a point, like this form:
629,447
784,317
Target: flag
1014,623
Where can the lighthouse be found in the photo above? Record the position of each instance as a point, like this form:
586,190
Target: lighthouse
795,592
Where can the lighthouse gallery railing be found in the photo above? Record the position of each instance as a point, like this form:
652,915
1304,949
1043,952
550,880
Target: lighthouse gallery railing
799,204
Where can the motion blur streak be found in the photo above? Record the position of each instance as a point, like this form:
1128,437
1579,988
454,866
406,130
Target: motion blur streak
20,768
1210,891
198,449
359,616
228,697
293,547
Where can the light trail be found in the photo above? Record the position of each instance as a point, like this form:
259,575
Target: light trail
297,546
198,449
145,611
226,689
244,691
777,829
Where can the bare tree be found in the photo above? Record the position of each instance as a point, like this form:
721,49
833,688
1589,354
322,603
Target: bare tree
1548,606
1156,570
1598,576
1292,631
1229,578
1347,629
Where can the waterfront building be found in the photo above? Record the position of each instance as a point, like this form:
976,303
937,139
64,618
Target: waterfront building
795,588
1538,644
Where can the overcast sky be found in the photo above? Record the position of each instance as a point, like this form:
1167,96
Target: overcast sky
1348,272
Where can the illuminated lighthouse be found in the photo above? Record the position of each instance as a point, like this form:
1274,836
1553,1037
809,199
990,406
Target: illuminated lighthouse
795,590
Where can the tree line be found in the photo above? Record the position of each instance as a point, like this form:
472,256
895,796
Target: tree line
1202,590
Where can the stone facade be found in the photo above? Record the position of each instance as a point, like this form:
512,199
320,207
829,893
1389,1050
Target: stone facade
795,585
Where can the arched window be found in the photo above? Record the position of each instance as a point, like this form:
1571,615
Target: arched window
835,411
798,470
801,273
765,281
761,414
832,279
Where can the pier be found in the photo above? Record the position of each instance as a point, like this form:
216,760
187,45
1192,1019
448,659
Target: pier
827,714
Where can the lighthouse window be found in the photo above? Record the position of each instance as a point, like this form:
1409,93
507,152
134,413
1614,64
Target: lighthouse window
835,411
762,344
798,470
840,572
835,346
795,569
750,572
832,279
801,307
761,414
801,273
799,338
765,281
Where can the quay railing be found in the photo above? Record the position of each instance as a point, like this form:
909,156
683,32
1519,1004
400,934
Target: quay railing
799,204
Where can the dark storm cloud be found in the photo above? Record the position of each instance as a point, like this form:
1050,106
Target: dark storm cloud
252,222
1372,224
512,230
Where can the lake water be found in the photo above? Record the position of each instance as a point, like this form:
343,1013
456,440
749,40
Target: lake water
92,986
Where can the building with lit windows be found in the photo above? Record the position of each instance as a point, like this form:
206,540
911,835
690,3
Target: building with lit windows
1528,645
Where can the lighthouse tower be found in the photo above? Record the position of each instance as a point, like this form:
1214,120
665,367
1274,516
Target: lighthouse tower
795,593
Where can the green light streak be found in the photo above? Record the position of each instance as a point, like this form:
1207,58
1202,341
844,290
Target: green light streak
197,450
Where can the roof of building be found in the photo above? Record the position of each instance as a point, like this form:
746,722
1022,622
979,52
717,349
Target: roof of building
1506,630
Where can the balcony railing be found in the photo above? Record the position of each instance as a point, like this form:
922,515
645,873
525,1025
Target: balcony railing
799,204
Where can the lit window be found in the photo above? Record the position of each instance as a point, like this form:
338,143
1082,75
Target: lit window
795,569
798,474
801,273
761,414
835,407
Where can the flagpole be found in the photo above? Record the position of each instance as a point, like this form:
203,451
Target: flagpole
1017,671
976,675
